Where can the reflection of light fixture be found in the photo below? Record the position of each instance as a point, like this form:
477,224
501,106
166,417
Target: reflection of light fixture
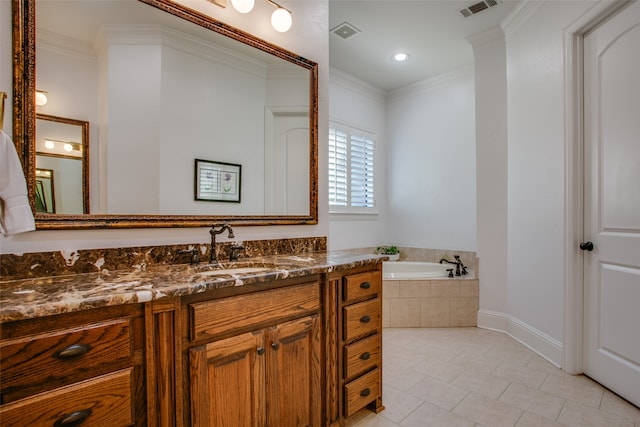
67,146
41,97
280,19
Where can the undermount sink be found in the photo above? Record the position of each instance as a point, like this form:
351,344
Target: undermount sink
234,270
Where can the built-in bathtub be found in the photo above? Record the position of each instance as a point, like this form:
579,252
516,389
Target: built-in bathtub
420,294
414,270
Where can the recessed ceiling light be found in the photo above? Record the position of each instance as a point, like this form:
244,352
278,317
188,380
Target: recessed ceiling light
400,57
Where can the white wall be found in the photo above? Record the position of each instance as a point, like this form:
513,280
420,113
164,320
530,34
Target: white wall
491,177
536,162
307,37
362,106
431,163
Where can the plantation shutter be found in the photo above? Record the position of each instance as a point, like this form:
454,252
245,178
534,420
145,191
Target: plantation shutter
351,170
338,166
361,171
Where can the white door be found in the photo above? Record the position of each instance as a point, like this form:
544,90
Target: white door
612,203
287,168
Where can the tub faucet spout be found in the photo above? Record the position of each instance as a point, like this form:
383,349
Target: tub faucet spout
461,269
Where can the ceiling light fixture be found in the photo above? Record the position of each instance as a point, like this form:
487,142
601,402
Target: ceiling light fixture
243,6
400,57
41,97
281,19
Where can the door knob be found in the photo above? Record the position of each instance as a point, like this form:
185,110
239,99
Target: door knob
586,246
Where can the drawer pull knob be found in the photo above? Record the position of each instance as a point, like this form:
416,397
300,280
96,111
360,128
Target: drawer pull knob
365,285
365,319
260,351
365,356
366,392
73,351
275,345
73,419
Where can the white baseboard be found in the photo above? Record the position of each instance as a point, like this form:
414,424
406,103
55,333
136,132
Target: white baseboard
539,342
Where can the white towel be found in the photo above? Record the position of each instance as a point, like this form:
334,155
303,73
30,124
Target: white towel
15,212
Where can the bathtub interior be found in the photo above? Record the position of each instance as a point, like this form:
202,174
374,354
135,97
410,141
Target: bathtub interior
407,270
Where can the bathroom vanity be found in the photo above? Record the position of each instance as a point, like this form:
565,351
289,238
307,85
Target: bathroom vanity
282,340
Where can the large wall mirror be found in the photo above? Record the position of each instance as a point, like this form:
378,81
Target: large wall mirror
160,85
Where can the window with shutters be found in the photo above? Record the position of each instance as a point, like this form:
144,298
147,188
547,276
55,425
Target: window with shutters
351,163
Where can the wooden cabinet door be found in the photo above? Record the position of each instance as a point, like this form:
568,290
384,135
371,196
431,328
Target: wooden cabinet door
227,382
294,392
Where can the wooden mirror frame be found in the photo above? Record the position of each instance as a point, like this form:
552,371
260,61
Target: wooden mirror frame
24,120
84,131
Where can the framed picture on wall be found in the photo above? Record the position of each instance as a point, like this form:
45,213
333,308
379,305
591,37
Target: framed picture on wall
217,181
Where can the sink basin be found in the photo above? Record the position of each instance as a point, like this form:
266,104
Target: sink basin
234,271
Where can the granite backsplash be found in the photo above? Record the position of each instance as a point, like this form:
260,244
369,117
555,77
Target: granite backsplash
44,264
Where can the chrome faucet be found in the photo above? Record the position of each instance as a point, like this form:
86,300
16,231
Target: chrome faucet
213,255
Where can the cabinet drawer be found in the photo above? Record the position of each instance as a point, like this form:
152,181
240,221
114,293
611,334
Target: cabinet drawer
361,356
361,319
359,393
65,356
211,318
362,285
104,401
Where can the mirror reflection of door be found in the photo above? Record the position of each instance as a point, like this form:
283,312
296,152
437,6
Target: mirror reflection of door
45,197
62,165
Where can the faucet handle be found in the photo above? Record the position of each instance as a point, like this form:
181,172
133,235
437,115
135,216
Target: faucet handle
194,255
233,253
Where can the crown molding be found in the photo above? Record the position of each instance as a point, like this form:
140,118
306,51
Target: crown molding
431,83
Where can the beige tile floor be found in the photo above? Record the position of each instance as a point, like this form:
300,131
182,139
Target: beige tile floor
479,378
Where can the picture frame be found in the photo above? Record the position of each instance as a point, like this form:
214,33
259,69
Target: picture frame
217,181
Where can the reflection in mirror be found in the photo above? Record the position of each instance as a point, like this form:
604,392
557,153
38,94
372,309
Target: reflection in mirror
62,165
45,196
161,91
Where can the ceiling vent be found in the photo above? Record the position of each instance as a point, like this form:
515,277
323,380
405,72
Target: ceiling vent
345,30
478,7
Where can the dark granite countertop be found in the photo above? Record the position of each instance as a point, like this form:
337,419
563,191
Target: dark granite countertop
44,296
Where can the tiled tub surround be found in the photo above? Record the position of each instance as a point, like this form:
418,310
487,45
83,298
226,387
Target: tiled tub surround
45,264
468,258
434,303
43,296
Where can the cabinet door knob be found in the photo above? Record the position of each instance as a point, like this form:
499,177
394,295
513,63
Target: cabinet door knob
365,319
260,351
365,285
365,356
73,351
275,345
73,419
366,392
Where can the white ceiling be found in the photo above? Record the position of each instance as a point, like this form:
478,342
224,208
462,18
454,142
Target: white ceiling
432,32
